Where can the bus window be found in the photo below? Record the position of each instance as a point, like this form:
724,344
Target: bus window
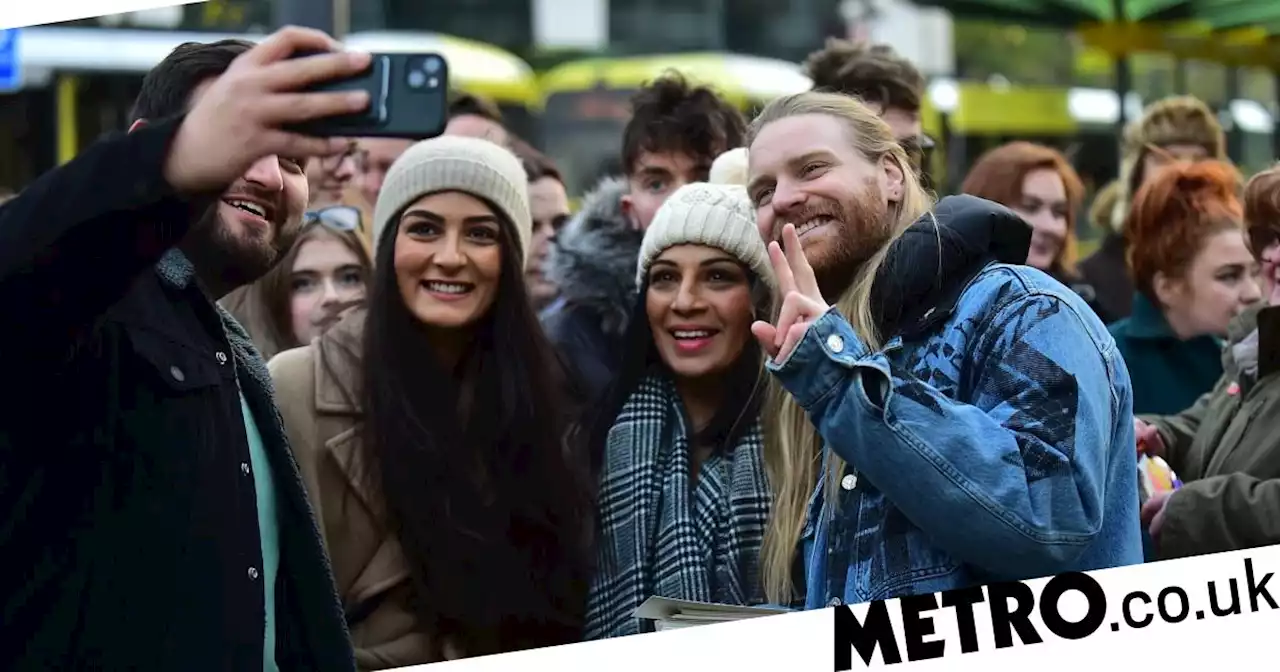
582,132
521,122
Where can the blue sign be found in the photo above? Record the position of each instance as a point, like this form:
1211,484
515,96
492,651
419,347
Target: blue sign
10,67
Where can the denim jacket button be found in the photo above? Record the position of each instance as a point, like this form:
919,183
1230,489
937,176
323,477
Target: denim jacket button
834,602
835,343
849,482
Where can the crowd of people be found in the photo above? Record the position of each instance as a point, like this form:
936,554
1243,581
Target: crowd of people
331,404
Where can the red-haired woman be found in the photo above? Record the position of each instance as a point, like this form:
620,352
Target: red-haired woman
1190,261
1038,183
1226,448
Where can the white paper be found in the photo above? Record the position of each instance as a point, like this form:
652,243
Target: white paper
682,613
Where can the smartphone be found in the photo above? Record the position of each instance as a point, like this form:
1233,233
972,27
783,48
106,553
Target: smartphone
408,98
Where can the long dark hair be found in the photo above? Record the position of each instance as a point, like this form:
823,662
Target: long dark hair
493,510
744,384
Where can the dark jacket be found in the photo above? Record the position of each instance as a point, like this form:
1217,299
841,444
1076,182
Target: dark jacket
126,483
1227,451
593,263
1108,273
1168,373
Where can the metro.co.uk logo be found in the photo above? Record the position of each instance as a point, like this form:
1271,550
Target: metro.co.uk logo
1006,612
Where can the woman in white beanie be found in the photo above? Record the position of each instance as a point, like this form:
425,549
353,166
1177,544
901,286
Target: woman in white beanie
683,494
430,428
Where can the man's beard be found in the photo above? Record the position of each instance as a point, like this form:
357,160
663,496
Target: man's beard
226,261
861,228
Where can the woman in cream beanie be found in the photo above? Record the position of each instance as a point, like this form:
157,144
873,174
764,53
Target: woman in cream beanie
680,433
432,424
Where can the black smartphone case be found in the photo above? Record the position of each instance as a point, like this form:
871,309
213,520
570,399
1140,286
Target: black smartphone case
397,109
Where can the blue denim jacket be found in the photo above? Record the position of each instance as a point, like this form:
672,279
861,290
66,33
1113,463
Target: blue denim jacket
1001,447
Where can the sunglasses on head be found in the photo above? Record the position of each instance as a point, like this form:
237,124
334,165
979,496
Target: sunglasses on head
337,217
1164,156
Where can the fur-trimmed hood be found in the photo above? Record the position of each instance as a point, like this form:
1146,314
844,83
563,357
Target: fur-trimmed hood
593,261
1176,120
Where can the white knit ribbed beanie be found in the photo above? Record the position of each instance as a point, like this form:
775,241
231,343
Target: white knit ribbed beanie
730,168
456,163
715,215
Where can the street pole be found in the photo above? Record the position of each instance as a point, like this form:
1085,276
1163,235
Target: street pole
341,18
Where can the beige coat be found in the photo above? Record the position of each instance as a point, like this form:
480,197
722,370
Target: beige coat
369,567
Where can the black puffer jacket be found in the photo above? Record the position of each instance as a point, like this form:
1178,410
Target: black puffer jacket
593,262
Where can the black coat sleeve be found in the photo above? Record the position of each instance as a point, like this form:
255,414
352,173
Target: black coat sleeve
74,241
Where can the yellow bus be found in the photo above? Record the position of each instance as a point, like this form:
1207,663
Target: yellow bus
81,82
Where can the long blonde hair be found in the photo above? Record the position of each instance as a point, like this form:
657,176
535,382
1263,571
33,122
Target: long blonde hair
793,448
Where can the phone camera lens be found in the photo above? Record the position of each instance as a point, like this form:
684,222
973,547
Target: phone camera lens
432,66
417,79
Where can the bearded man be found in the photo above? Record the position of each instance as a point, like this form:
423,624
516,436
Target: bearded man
155,518
956,418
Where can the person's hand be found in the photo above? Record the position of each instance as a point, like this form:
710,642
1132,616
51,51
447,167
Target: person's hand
326,315
345,308
1149,441
239,119
1152,514
802,302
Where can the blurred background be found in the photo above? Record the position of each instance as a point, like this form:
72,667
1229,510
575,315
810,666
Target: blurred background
1066,73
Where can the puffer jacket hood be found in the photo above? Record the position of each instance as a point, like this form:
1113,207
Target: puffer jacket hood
934,259
593,260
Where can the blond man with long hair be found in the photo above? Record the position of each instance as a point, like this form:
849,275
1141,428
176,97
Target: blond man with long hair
956,417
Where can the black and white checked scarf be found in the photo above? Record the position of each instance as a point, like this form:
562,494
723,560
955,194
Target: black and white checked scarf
659,536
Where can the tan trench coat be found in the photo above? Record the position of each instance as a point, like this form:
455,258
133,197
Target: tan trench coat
368,565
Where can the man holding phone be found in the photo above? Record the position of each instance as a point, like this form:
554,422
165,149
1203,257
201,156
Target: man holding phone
155,516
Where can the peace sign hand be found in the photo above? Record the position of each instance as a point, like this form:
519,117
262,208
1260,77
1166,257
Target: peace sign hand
802,302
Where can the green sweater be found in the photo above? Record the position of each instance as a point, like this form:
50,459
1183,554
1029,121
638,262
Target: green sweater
264,482
1168,373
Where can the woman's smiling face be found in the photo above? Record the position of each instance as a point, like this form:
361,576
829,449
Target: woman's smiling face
448,259
699,307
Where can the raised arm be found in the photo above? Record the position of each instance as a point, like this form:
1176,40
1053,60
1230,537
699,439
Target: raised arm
72,243
1014,482
75,240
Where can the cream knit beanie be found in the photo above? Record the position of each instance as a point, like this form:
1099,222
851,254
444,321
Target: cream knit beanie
715,215
455,163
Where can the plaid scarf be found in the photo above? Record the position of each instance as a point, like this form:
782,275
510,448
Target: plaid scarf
662,536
